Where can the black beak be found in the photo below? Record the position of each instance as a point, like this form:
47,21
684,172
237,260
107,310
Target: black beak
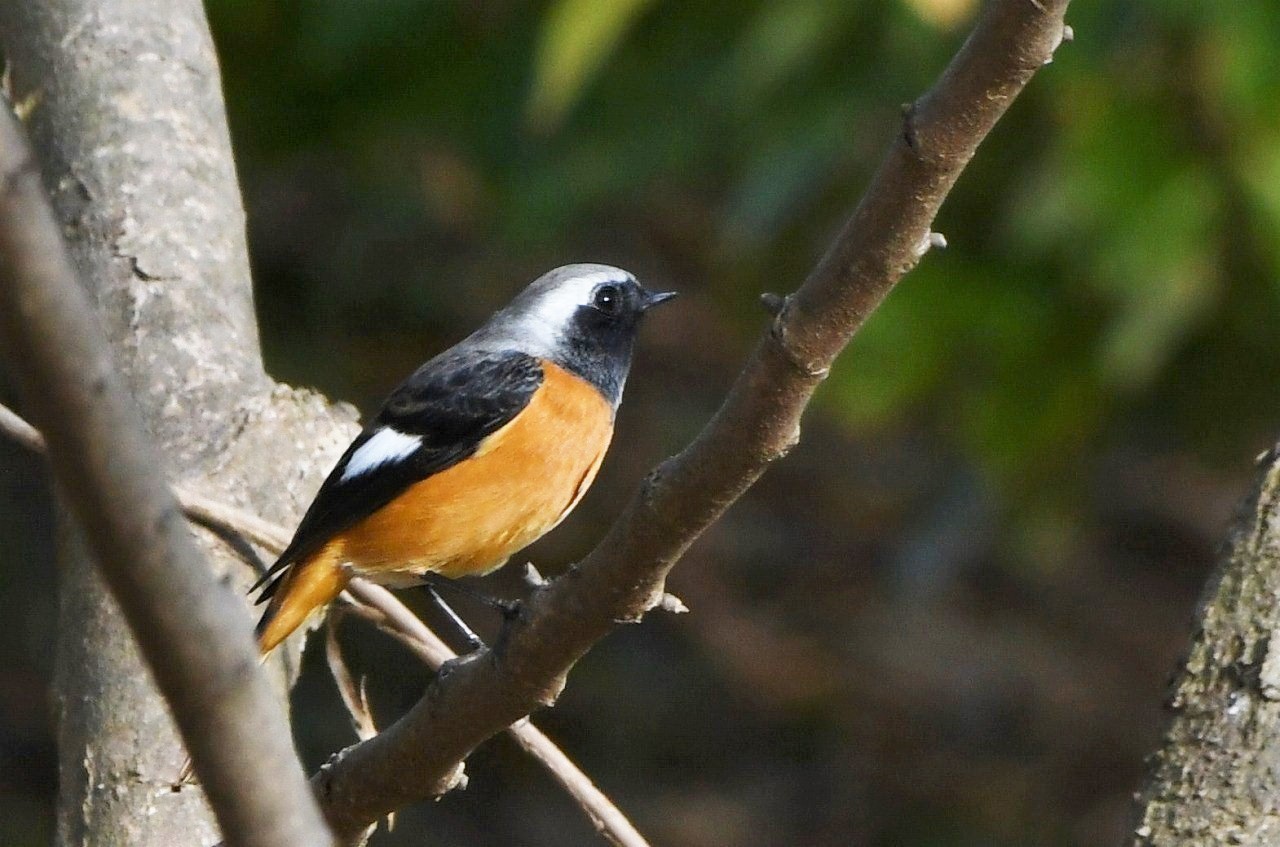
652,299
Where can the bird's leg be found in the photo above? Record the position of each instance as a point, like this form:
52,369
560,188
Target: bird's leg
509,609
505,607
467,632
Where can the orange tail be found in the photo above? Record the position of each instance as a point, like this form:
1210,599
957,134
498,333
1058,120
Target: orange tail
307,588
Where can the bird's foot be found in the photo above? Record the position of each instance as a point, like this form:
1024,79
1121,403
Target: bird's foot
454,618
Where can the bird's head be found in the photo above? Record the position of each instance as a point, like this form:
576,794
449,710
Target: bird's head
582,317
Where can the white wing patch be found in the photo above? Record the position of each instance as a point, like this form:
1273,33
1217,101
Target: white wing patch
386,446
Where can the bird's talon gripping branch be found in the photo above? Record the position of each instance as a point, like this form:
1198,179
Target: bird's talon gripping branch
513,615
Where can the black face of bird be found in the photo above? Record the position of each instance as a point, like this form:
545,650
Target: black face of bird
599,337
616,307
581,317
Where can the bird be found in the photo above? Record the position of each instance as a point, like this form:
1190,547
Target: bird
481,451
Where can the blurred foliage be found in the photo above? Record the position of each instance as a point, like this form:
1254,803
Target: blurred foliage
577,37
947,618
1110,249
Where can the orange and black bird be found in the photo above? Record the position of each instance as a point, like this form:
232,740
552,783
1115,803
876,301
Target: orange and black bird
481,451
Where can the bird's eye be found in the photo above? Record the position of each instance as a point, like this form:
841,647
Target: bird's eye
608,299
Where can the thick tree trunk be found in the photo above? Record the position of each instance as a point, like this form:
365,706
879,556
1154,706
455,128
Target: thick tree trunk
127,116
1216,780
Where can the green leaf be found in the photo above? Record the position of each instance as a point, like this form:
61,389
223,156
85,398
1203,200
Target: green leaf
576,39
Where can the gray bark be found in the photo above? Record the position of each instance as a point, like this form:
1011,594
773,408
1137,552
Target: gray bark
132,139
1216,779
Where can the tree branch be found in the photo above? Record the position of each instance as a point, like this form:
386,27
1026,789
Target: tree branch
192,630
479,695
381,608
1214,780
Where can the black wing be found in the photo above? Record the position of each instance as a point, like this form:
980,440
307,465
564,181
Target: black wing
453,402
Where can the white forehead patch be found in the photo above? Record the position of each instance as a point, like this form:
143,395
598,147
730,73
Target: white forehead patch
386,446
546,317
558,304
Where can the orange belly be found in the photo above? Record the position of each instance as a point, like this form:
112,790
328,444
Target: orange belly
522,481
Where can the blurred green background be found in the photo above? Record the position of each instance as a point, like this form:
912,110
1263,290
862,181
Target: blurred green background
948,618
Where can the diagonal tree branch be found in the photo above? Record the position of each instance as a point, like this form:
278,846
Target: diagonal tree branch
192,630
472,699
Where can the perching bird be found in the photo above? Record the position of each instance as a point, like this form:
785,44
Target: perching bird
480,452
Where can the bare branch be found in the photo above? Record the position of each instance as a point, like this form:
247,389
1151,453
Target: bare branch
21,431
380,607
192,631
352,692
481,694
606,818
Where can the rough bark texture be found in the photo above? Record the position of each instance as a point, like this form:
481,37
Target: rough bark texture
481,694
128,122
189,627
1216,780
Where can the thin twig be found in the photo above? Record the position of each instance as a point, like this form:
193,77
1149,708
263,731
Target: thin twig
380,607
352,692
20,431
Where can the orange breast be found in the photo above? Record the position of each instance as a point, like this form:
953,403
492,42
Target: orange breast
522,481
